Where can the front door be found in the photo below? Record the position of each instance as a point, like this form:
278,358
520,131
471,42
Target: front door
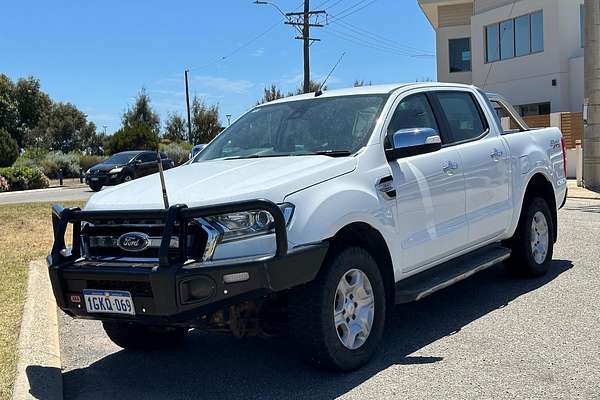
430,192
149,164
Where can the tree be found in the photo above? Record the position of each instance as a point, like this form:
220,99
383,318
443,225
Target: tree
136,137
9,151
313,86
9,110
63,128
270,94
141,114
205,121
32,104
175,129
361,82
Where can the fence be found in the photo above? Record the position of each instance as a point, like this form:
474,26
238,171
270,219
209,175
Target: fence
571,125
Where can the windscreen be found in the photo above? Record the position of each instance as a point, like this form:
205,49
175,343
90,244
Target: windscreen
120,158
333,126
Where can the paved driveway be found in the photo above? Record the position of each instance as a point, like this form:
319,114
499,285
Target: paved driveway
491,336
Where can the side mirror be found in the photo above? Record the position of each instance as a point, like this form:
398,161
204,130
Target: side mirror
410,142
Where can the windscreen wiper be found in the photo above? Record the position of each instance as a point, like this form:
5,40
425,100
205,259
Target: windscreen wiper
331,153
255,156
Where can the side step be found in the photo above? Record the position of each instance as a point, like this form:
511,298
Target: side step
427,282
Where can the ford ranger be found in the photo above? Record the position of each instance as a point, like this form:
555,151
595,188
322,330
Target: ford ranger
314,215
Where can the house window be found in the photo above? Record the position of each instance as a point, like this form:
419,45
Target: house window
515,37
582,25
537,32
522,36
460,54
526,110
493,45
507,39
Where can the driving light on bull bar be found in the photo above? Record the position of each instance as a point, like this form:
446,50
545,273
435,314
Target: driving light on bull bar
197,289
237,277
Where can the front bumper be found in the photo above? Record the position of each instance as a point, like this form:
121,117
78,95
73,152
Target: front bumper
103,179
157,292
158,289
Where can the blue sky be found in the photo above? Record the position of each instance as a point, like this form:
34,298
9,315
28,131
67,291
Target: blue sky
99,54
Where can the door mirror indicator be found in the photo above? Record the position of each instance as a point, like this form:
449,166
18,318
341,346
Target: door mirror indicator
411,142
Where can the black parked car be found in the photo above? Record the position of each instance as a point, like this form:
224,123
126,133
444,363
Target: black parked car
123,167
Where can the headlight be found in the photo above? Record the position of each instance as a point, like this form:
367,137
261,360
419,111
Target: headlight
115,170
241,225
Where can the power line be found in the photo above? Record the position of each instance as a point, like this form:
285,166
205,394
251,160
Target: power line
362,31
355,40
373,43
346,13
237,49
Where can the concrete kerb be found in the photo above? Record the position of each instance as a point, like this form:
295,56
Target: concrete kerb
39,373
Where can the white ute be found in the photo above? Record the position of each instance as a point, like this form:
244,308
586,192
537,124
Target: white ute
317,214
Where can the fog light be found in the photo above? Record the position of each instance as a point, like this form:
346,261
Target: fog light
197,289
237,277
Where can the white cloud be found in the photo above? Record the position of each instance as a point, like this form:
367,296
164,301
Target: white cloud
238,86
258,52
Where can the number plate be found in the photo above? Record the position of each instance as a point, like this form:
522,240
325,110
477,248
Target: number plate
94,179
108,301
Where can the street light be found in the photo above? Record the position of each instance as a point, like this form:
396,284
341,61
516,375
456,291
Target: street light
228,119
287,17
105,126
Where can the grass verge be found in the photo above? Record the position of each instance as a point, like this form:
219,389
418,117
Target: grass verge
25,235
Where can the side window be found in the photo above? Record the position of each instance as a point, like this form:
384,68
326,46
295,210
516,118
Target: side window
463,115
147,157
413,112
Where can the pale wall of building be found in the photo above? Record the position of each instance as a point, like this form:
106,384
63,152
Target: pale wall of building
443,63
527,79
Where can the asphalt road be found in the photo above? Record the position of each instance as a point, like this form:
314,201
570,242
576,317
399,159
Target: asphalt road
491,336
46,195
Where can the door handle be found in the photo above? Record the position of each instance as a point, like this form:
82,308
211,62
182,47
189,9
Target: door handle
450,167
496,155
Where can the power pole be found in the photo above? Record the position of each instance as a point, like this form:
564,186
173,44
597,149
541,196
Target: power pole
302,22
187,102
303,19
591,134
305,38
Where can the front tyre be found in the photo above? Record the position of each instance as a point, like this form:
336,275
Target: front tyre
143,338
533,243
338,319
95,187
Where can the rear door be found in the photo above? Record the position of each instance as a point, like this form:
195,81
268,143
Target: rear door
485,161
430,191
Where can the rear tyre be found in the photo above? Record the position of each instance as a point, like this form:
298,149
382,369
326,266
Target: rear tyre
143,338
338,319
96,188
533,243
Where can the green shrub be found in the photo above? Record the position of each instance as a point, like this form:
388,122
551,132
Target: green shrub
57,160
24,178
9,151
86,162
176,152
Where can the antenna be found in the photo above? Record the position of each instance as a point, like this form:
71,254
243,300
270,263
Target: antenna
162,180
319,90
